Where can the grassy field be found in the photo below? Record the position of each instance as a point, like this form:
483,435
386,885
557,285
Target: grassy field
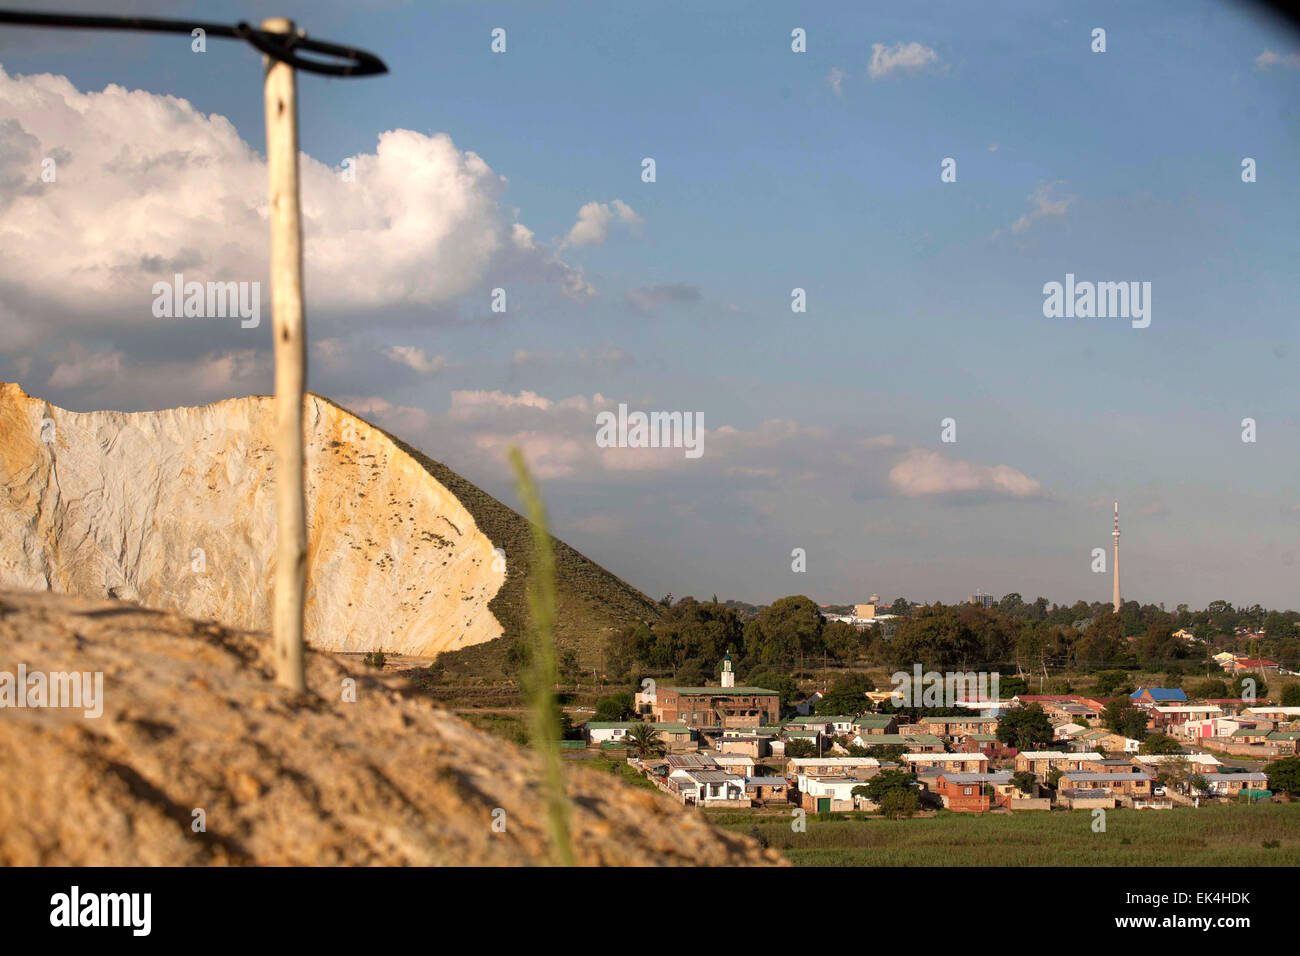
1221,835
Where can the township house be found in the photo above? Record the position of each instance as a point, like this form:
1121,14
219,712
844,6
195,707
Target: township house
830,794
875,725
1064,707
1165,716
974,792
980,743
953,726
1129,783
735,763
1232,784
747,745
764,790
1042,762
1284,716
917,743
956,763
708,788
832,766
1090,739
833,725
1151,696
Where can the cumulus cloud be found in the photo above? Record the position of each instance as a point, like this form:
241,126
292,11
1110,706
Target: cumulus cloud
1269,59
594,220
1045,203
907,57
415,358
835,79
922,472
87,376
147,186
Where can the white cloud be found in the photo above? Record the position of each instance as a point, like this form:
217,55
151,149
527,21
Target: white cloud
1269,59
921,472
78,367
836,80
594,220
147,186
466,403
909,57
1045,203
415,358
125,380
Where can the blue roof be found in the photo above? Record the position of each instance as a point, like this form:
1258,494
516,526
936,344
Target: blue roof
1161,693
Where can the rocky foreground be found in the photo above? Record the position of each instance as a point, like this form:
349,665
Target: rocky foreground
192,720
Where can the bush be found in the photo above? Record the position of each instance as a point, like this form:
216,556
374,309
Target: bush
900,803
374,659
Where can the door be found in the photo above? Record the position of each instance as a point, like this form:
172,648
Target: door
823,804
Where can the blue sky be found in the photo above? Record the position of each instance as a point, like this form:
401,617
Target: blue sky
924,298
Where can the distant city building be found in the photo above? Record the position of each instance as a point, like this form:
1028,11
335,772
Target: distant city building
982,599
1115,535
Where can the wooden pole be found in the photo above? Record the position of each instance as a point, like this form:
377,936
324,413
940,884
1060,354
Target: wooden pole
287,326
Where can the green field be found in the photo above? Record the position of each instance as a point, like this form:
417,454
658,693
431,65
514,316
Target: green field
1221,835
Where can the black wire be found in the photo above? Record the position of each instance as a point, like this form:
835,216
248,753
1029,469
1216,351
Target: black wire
278,46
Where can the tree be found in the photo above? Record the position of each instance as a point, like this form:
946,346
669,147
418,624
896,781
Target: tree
783,685
1109,682
643,739
800,748
1291,695
1025,782
848,696
1239,686
1160,744
1211,689
1176,773
885,782
900,803
568,664
1284,775
614,708
1024,727
1122,717
786,631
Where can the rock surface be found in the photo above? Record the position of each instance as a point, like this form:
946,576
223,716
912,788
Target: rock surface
191,720
175,509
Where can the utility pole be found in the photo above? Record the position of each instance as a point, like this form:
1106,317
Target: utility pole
287,325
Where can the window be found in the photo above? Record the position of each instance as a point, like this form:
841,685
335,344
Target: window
966,791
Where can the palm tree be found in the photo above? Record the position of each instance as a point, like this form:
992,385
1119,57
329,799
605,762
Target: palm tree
644,739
